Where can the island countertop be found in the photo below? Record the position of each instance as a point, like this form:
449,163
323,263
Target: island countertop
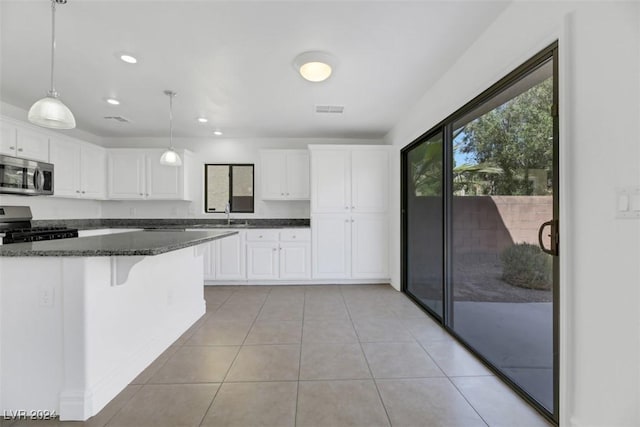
134,243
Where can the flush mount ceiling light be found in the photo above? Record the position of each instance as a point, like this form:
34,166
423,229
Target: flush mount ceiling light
202,119
314,66
170,157
129,59
112,101
217,132
50,112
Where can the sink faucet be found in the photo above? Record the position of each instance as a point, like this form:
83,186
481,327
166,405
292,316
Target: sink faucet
227,210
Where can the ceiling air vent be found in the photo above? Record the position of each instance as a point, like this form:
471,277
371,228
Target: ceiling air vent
118,119
329,109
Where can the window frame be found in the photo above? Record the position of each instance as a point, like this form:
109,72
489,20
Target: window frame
230,190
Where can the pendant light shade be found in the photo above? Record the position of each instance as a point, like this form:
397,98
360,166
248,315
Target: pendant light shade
170,157
50,112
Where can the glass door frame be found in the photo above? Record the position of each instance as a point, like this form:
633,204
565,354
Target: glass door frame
446,128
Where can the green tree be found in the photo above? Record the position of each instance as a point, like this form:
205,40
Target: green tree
511,145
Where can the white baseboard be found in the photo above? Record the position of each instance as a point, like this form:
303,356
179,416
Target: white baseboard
298,282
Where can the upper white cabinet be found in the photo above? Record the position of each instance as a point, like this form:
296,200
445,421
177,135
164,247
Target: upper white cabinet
80,168
285,174
349,180
138,174
22,141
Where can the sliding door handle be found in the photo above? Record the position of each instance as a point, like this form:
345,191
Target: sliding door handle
553,226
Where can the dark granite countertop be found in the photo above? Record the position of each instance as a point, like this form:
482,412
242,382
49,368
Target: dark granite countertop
134,243
204,223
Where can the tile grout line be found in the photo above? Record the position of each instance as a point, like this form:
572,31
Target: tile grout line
295,415
375,383
246,336
467,400
236,356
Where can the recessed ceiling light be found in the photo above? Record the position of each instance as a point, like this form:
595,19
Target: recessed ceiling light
203,119
217,132
128,58
314,66
113,101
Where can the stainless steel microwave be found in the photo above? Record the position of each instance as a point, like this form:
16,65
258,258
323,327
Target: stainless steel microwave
27,177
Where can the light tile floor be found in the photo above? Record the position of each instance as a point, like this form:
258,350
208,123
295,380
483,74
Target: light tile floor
359,355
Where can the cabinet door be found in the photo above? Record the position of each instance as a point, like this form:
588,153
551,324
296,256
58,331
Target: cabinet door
331,240
229,259
262,261
8,134
295,260
297,175
369,180
370,246
93,172
210,261
273,165
126,175
33,145
330,181
163,182
66,159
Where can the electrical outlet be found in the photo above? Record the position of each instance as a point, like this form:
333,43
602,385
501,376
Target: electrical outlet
45,296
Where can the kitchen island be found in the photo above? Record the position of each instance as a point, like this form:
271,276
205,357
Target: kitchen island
81,318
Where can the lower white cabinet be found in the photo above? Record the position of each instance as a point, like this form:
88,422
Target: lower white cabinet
350,246
279,254
225,258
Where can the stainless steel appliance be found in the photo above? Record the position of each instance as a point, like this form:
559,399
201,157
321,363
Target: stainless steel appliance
27,177
15,227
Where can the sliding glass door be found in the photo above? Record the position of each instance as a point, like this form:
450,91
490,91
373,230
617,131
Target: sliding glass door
424,209
480,227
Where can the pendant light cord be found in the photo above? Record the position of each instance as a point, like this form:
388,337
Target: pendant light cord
53,92
171,95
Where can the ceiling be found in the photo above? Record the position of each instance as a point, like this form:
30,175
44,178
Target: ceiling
231,61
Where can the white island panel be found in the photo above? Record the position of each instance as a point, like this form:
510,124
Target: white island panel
71,340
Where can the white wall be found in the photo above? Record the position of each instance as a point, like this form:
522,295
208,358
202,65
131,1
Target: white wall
600,97
217,150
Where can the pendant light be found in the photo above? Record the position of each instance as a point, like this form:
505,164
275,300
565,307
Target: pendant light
170,157
50,112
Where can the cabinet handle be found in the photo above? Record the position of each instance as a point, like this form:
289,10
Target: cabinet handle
12,148
141,194
287,194
77,191
282,194
352,220
82,192
346,207
20,149
147,194
346,220
293,237
274,249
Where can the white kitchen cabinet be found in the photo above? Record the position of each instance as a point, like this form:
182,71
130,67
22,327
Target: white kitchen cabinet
138,175
349,180
369,246
295,260
285,174
330,181
229,257
22,141
262,260
80,169
349,203
331,241
274,254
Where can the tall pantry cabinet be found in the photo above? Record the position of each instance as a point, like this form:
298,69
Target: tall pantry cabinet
349,211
